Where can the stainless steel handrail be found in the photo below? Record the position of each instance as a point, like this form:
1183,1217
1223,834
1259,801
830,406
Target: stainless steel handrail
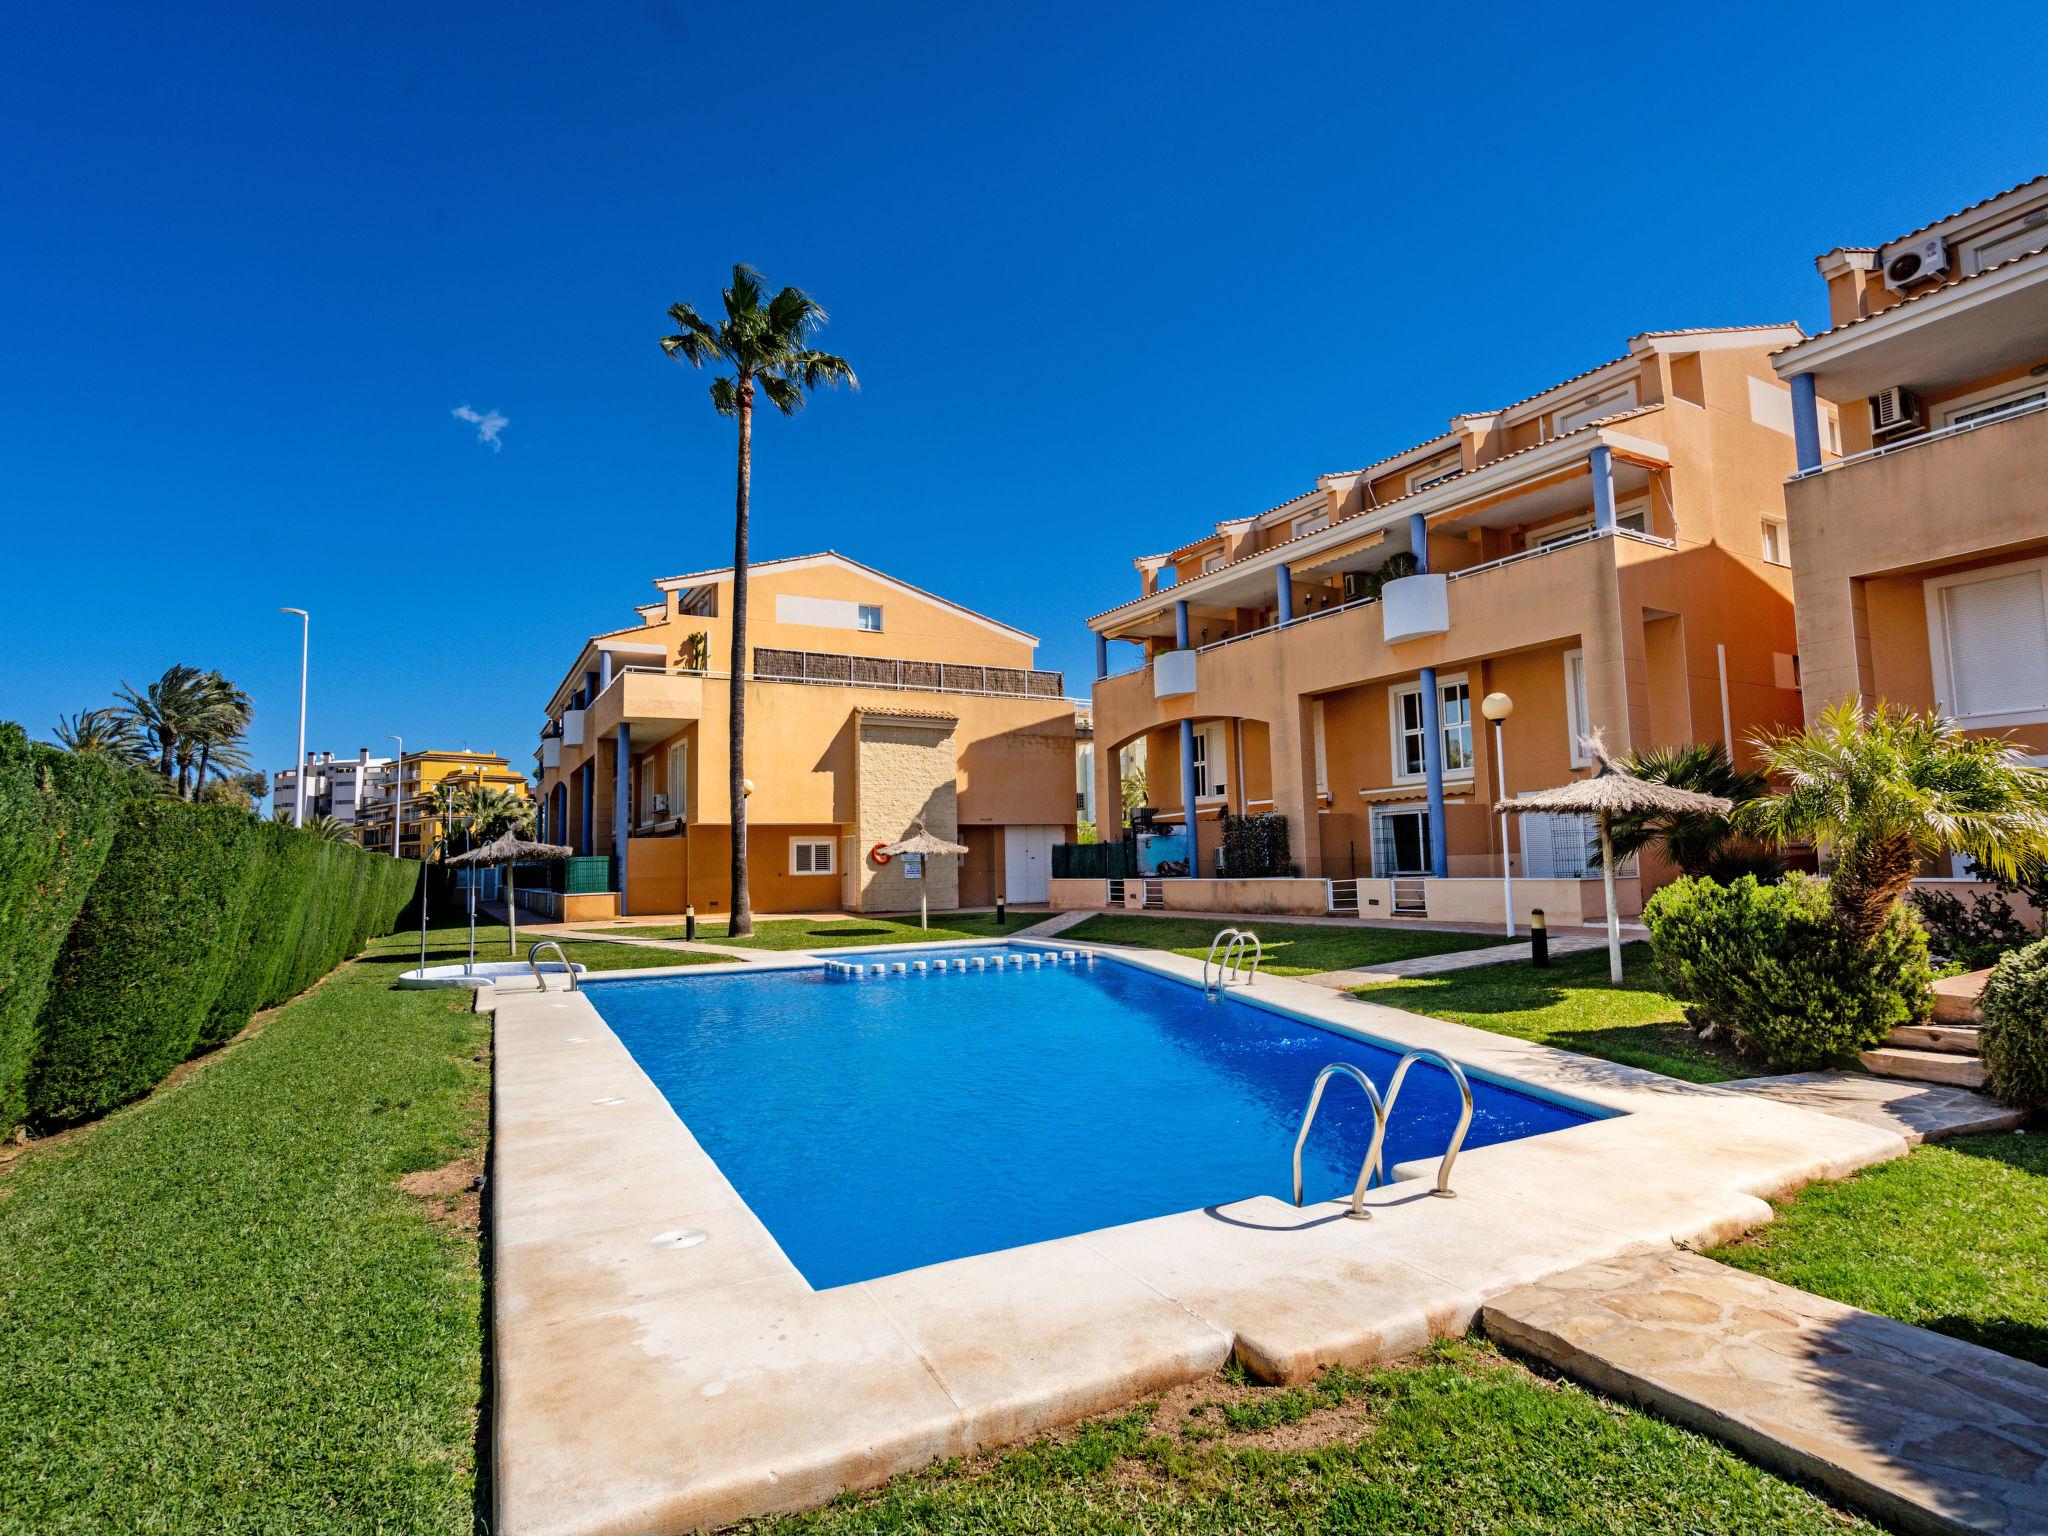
1379,1135
533,961
1235,942
1379,1126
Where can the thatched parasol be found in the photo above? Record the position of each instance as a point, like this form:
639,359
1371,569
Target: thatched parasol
1608,793
507,850
925,845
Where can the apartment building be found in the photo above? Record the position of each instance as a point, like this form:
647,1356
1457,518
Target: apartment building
1919,541
333,789
401,791
872,706
1608,554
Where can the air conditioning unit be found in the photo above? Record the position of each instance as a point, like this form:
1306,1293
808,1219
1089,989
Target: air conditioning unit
1893,411
661,805
1920,262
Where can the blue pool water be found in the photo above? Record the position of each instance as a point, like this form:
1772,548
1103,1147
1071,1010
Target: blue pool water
878,1125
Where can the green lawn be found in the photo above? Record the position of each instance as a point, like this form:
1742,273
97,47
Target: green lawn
219,1312
1952,1237
843,932
1570,1004
1462,1441
1292,949
446,946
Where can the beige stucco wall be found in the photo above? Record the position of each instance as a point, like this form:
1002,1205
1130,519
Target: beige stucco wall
905,777
1277,895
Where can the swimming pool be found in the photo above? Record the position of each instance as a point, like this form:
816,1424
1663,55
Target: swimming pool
883,1124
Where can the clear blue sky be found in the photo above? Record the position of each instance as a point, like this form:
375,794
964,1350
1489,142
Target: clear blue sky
1107,274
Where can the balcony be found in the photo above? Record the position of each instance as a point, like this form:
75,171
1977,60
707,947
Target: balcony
572,727
653,705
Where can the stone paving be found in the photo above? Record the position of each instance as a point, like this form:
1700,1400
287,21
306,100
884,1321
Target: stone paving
1924,1432
1574,942
1917,1111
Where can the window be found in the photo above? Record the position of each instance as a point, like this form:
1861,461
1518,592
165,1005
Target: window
1993,402
1633,515
871,617
1454,720
679,780
1310,522
2028,233
1445,466
1576,723
1210,759
1607,402
1400,841
1322,746
1564,848
648,781
1988,637
1211,563
812,855
1776,549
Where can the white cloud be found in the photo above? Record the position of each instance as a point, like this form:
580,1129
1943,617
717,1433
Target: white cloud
488,425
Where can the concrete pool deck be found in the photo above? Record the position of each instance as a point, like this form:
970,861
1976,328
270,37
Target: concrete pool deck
645,1385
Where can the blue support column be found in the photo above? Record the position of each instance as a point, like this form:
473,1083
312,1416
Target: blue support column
1418,540
622,812
1433,773
1284,593
604,670
1805,422
1601,462
1180,625
1187,787
587,843
1101,656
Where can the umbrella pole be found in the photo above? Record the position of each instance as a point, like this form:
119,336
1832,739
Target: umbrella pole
1613,917
512,907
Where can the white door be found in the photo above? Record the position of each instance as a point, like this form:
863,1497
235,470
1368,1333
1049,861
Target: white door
1027,863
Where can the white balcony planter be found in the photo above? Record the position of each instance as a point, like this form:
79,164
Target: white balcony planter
572,727
1173,674
551,752
1414,606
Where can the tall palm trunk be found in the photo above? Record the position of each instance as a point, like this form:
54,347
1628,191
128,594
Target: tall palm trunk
168,765
205,752
742,921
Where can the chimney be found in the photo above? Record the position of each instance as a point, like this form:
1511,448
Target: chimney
363,756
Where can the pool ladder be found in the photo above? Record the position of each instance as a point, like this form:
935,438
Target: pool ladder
1382,1111
532,959
1238,944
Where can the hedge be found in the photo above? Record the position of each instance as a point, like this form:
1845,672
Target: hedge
194,917
56,824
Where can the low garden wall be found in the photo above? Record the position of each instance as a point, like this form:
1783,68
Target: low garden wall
137,930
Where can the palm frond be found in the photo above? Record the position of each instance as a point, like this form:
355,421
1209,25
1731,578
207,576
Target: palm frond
725,396
785,396
743,298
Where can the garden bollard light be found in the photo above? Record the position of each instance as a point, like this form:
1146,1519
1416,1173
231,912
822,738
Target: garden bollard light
1539,938
689,922
1000,919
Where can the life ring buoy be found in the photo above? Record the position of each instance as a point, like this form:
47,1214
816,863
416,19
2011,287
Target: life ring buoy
879,853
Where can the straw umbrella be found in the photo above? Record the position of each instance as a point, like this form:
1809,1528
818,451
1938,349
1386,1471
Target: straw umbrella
925,845
507,851
1612,792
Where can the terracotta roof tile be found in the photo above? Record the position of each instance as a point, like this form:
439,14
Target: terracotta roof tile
1914,298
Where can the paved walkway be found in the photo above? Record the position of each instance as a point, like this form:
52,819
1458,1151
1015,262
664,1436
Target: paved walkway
1917,1111
1924,1432
1577,941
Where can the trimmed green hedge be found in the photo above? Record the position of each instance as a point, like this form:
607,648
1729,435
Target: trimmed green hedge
57,813
136,930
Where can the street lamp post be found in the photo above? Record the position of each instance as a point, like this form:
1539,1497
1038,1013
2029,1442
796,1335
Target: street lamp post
397,794
299,768
1497,707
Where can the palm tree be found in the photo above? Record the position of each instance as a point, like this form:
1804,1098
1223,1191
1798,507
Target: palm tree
767,348
214,738
1887,791
494,812
328,830
1697,843
106,729
164,711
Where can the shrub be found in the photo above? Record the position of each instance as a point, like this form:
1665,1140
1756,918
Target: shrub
1772,967
1980,932
2014,1013
56,824
1255,846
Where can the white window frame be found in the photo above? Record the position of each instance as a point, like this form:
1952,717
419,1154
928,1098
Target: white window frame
1984,402
650,779
861,619
1937,642
1445,466
1308,523
1607,401
1210,749
1769,527
1624,868
679,781
1377,814
1211,563
1633,514
1575,706
1319,731
812,845
1398,731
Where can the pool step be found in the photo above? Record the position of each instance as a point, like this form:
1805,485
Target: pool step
891,970
1925,1066
1153,897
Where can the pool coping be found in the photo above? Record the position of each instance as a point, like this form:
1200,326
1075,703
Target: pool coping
666,1387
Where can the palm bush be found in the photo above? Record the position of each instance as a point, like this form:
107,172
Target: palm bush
1887,791
1697,843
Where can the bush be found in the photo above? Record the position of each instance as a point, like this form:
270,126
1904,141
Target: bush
1255,846
1985,929
2014,1013
1772,968
56,824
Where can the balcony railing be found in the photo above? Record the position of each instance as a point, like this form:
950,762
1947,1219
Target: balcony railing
908,676
1920,439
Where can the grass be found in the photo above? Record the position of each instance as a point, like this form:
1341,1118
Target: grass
844,932
219,1311
1572,1005
450,946
1951,1237
1461,1441
1292,949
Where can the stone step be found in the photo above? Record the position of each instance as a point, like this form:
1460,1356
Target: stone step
1923,1432
1955,997
1956,1039
1924,1066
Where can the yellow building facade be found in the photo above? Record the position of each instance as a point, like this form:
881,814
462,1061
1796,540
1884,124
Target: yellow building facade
406,786
1609,554
872,707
